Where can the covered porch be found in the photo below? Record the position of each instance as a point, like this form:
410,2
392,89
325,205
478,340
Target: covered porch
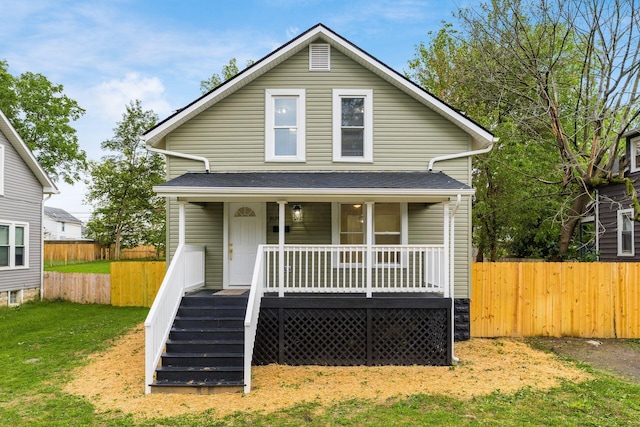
346,277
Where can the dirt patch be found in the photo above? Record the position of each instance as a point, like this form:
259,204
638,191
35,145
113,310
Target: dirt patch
114,380
618,357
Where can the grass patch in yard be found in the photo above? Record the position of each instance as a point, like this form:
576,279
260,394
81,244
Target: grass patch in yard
40,344
94,267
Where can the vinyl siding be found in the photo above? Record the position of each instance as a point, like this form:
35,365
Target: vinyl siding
609,223
315,227
21,202
406,136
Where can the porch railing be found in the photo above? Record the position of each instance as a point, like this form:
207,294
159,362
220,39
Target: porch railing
344,269
185,273
251,316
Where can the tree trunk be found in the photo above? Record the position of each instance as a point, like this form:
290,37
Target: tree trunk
568,229
116,254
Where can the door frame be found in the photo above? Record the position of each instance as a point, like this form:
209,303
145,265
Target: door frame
261,214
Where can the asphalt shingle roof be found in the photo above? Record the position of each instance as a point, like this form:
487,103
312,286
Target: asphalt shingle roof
60,215
319,180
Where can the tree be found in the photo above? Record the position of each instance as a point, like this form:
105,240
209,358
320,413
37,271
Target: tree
228,71
42,114
567,74
512,208
128,212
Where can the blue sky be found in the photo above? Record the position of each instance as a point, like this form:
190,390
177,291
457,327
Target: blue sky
107,53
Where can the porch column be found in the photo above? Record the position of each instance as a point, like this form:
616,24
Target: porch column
281,229
447,234
369,255
181,223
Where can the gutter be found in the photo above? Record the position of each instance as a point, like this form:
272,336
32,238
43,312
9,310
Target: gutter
207,169
463,154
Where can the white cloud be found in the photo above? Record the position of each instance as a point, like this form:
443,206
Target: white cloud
109,98
292,32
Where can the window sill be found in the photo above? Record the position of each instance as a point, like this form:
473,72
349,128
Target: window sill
352,160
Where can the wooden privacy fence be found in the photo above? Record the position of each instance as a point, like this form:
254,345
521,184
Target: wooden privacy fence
132,283
77,287
73,251
590,300
136,283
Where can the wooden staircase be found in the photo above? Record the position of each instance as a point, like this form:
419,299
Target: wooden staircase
205,350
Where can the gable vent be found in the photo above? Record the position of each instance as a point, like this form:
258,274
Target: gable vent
319,57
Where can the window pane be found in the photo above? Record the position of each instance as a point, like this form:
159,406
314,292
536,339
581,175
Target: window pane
352,111
387,217
353,142
4,256
351,224
19,236
285,111
286,142
19,256
4,235
627,224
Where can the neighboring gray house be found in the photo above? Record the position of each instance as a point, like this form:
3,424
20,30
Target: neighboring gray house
332,192
619,238
61,225
23,183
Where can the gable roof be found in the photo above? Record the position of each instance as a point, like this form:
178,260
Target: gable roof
48,187
482,137
60,215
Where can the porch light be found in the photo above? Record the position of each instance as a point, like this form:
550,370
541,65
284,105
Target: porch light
296,213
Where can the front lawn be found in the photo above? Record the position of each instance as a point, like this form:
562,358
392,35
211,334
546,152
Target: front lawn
40,344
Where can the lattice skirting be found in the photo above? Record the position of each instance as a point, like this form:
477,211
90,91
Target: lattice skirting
353,331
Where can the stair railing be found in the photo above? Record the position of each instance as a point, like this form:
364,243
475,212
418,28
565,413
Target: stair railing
185,273
252,314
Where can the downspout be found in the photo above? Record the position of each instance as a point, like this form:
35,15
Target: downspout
182,155
452,275
463,154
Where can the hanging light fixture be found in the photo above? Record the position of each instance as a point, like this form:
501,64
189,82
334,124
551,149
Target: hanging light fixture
296,213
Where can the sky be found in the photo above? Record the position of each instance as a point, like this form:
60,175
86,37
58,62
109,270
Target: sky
107,53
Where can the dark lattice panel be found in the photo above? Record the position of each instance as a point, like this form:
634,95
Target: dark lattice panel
409,337
325,337
353,336
265,348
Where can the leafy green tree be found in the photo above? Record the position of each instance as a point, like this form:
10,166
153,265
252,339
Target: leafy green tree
228,71
567,75
127,211
43,115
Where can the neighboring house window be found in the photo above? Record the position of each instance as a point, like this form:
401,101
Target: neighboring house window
62,226
625,233
353,125
635,154
285,125
13,245
1,170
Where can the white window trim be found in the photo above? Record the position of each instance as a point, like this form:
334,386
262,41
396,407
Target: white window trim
2,170
12,245
335,229
367,94
269,152
621,215
633,166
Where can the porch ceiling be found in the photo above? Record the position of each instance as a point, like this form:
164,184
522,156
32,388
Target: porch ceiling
314,186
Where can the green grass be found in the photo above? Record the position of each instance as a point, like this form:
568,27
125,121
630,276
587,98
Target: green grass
94,267
40,343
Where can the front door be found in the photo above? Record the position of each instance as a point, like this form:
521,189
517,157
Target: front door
246,232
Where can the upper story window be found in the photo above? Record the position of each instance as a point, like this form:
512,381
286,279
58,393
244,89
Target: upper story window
635,154
625,233
352,125
13,245
285,125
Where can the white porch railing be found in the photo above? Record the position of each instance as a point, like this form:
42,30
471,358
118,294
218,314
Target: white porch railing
251,316
185,273
344,269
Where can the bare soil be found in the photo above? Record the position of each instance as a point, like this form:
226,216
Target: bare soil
618,357
114,380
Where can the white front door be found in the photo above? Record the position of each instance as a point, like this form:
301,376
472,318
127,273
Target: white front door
246,232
